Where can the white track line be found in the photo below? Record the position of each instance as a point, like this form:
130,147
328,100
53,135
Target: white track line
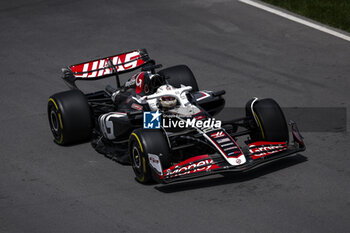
296,19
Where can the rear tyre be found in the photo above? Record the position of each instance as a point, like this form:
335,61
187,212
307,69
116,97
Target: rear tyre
270,121
70,117
142,142
178,75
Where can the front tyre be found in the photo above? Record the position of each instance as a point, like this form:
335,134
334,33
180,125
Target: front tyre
180,74
141,143
70,117
270,121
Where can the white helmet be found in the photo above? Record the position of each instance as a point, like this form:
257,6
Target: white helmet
168,101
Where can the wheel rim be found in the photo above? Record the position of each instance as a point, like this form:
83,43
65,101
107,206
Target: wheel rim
137,161
136,157
54,121
55,125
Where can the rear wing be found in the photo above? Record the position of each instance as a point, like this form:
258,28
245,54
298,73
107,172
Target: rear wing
106,67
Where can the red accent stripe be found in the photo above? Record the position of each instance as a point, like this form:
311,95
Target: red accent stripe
264,143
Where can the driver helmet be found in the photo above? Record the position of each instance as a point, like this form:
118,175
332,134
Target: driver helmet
168,101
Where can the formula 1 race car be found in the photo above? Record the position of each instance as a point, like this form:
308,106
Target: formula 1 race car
163,125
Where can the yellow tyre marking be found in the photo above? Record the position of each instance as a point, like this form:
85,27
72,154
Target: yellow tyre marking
144,164
143,159
137,138
59,114
260,126
59,119
61,139
142,179
53,102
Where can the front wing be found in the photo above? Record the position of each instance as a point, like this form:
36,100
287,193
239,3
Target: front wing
260,153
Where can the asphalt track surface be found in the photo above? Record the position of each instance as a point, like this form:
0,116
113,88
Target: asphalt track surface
228,45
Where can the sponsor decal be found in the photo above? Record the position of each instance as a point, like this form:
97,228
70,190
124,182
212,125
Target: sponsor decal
223,140
153,160
155,163
227,144
106,123
100,68
218,134
199,117
232,153
139,82
137,107
130,82
151,120
230,148
200,163
262,149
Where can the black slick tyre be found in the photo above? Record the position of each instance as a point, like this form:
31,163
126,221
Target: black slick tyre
270,121
142,142
178,75
70,117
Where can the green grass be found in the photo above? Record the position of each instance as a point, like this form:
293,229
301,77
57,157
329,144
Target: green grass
335,13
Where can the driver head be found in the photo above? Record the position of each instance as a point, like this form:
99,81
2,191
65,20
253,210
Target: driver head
167,102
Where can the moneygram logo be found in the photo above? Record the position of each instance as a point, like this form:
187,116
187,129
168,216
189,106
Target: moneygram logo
153,120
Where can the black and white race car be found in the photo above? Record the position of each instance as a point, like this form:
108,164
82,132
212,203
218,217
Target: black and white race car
163,125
